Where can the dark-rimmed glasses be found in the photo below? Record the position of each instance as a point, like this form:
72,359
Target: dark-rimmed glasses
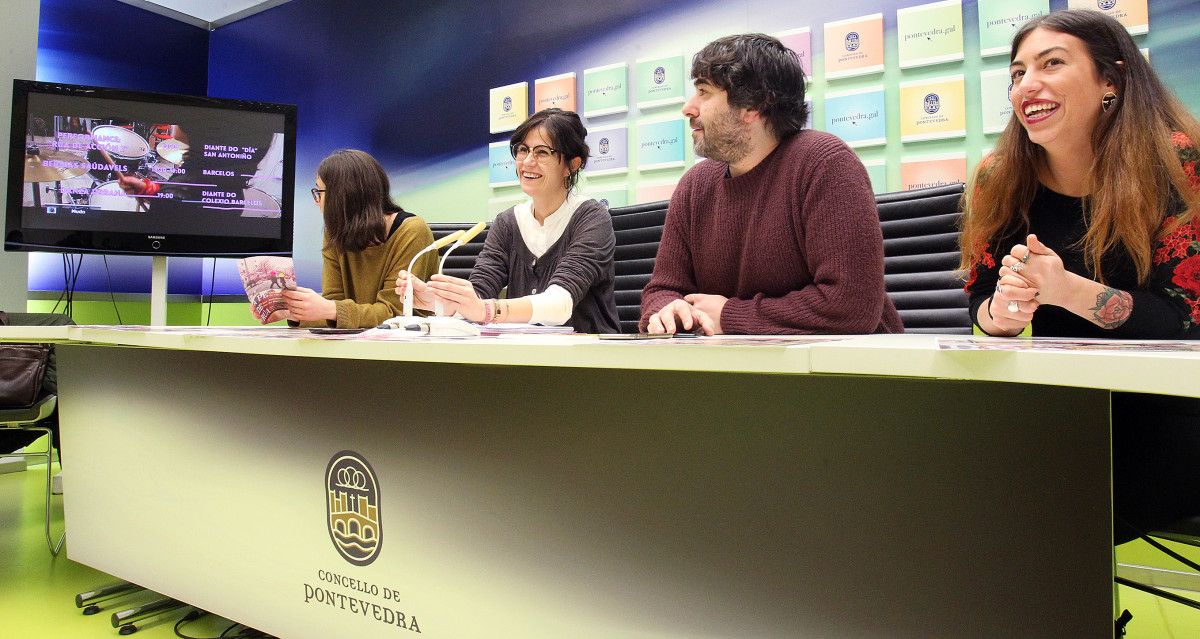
542,154
316,193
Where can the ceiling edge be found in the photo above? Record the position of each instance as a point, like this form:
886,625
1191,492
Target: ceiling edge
170,13
245,13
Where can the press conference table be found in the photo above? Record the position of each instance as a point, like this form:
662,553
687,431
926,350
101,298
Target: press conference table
564,486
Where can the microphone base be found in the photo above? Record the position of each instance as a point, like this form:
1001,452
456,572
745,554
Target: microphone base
436,326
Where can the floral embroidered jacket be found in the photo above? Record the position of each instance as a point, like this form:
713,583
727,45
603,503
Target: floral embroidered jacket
1167,307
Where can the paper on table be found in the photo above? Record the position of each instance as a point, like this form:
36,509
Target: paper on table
1061,344
508,328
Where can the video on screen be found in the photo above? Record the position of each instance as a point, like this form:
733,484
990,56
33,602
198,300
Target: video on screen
108,165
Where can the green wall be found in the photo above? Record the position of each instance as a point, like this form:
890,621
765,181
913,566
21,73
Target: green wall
229,310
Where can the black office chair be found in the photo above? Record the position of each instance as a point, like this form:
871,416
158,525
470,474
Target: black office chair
462,260
638,229
921,254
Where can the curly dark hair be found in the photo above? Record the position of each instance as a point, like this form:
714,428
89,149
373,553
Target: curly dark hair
759,73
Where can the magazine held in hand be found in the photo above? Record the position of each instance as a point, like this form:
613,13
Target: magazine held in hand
265,278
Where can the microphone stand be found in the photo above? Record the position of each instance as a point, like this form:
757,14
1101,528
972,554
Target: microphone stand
467,236
437,244
432,326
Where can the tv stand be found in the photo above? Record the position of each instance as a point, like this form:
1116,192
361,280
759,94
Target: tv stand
158,290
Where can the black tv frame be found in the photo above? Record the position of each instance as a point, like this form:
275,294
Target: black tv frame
17,238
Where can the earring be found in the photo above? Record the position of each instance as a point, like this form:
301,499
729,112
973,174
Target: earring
1108,101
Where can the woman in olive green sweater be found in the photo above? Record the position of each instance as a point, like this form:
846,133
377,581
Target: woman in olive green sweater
368,240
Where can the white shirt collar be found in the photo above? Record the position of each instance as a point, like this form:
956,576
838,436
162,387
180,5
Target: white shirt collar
540,237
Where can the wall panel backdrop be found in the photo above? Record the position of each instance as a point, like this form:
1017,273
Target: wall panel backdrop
112,44
409,81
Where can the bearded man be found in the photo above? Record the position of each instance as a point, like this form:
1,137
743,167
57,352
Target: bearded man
776,231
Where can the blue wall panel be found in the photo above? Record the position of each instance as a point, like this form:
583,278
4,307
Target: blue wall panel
112,44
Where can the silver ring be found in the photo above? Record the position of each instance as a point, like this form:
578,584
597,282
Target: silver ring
1000,290
1013,307
1025,260
1017,268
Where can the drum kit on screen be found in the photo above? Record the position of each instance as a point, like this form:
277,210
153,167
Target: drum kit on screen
82,164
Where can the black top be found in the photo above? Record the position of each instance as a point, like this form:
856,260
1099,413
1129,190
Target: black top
1162,309
581,261
401,215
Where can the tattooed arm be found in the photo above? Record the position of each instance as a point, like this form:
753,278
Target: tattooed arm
1102,305
1112,308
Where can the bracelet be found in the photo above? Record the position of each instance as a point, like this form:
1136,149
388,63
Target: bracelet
989,312
488,312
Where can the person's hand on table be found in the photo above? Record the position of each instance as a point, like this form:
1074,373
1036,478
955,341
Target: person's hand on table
710,305
680,315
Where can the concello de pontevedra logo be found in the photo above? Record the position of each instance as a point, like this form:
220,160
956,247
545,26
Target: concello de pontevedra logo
352,503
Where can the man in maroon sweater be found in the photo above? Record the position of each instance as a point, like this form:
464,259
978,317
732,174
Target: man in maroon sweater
777,231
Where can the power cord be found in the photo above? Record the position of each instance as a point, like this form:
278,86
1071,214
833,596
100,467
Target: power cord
71,293
195,613
66,282
110,291
70,278
212,286
192,615
246,632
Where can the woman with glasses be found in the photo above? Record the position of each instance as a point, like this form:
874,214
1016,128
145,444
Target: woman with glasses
368,238
554,253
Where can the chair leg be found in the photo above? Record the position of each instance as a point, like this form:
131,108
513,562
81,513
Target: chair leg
55,547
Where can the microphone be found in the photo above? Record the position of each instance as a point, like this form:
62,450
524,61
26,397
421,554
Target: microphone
467,236
437,244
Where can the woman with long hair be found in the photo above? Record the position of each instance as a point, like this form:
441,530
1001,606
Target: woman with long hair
553,253
368,239
1083,223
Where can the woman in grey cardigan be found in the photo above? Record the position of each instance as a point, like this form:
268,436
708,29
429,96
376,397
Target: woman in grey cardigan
554,252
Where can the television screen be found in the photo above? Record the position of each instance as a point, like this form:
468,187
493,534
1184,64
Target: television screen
113,171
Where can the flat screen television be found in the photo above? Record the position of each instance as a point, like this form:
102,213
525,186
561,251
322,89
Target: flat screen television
95,170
